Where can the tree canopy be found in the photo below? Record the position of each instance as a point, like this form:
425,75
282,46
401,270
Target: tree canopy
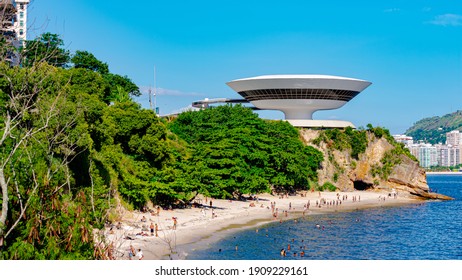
46,48
86,60
235,152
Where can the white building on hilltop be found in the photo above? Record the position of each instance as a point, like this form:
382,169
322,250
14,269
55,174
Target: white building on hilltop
299,96
406,140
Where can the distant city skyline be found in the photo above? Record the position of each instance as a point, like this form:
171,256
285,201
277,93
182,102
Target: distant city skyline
411,51
448,154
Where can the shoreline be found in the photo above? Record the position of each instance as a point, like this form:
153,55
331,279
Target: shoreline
183,250
197,227
443,172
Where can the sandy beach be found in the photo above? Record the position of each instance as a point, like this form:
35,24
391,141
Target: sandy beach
202,222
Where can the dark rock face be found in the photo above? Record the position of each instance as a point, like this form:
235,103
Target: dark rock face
362,186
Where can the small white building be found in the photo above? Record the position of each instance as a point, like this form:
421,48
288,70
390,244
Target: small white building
406,140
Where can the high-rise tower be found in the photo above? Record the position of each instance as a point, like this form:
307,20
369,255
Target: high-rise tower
7,19
20,25
453,138
13,20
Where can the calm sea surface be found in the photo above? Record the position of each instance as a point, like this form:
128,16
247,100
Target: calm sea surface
431,230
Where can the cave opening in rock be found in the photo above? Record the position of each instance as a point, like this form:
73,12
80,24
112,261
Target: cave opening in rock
361,185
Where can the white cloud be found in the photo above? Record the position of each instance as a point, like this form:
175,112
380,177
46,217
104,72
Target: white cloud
447,20
169,92
392,10
185,109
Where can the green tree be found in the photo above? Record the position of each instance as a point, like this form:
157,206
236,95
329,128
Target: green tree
119,88
46,48
42,210
85,59
117,81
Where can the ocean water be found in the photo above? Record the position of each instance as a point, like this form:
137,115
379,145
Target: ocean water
424,231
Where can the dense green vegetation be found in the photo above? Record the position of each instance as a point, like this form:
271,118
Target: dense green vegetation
433,130
73,146
389,160
445,168
234,152
344,139
327,186
399,148
392,157
66,152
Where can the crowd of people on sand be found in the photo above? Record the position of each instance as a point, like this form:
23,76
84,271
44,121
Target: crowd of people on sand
147,228
150,228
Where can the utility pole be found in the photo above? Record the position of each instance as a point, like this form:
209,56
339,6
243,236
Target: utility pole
155,92
150,100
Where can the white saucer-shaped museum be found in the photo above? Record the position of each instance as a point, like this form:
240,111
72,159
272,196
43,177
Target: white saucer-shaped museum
299,96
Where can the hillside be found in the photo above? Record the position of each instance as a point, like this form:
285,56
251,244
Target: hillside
368,160
433,130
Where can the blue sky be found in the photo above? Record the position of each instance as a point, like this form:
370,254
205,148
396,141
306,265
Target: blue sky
411,51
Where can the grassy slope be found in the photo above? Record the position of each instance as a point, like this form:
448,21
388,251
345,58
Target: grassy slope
434,129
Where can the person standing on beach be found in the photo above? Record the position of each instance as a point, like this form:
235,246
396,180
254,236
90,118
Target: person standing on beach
156,228
174,223
131,252
152,228
140,255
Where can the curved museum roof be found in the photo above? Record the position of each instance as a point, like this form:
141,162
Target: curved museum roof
298,82
299,96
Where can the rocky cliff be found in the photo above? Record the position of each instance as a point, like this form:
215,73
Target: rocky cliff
379,167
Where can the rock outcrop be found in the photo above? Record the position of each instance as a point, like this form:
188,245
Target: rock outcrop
347,174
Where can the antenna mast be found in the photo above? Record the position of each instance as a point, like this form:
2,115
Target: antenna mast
155,92
150,100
